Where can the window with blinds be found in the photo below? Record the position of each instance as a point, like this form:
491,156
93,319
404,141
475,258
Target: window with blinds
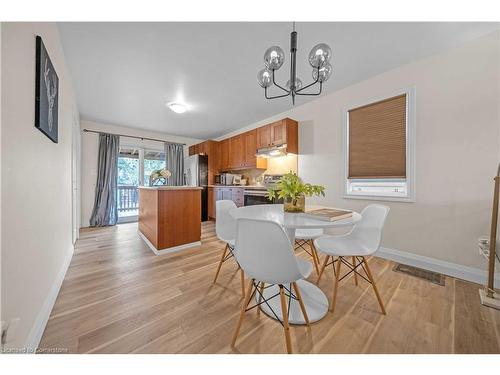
377,148
377,140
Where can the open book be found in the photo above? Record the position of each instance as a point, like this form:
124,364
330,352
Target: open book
328,214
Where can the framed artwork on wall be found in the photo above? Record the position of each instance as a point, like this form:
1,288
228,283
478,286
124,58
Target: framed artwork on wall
46,93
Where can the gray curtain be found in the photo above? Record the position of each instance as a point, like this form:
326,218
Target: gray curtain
174,155
105,210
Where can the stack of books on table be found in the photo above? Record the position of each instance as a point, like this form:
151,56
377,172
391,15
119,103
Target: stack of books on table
328,214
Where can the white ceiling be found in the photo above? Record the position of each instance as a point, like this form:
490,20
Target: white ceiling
124,73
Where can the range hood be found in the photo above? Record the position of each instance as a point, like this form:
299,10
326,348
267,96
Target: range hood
271,152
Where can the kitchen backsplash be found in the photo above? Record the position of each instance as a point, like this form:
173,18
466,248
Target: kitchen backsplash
278,165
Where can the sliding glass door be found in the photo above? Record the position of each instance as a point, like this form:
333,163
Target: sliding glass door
135,165
153,160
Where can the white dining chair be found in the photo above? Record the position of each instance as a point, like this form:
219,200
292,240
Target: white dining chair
266,255
304,239
352,249
225,229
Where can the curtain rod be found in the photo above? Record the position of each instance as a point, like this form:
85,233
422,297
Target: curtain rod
132,136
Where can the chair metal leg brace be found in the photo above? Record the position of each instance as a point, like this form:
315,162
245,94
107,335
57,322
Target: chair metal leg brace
326,264
258,288
352,268
301,244
363,264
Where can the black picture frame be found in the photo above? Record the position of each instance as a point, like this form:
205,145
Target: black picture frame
46,93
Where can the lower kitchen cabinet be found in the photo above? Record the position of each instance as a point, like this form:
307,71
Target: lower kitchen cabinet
235,194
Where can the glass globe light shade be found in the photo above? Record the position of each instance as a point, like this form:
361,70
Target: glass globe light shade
265,78
274,58
324,73
298,84
320,55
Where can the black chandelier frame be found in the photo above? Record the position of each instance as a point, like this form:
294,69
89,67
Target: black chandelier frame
293,76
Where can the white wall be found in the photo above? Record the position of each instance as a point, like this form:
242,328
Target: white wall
1,315
36,183
90,148
457,143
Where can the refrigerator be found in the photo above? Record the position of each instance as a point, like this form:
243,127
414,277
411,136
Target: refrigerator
197,175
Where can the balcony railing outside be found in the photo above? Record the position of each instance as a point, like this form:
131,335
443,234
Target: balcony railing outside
128,200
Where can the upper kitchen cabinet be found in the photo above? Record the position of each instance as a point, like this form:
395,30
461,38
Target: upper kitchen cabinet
264,136
193,150
224,152
250,160
237,151
278,134
204,148
250,139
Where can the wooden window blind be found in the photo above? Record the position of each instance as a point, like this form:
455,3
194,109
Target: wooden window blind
377,139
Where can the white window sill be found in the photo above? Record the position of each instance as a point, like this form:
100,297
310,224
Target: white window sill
379,198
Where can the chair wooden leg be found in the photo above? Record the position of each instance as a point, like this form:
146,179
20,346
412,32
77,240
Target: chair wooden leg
336,285
261,288
355,275
369,274
244,306
323,268
284,313
314,255
242,281
301,303
221,261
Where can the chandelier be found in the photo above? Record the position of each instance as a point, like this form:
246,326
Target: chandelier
274,57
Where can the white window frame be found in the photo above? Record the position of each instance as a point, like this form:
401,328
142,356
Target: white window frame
410,195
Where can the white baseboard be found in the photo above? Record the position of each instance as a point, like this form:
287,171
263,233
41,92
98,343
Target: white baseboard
472,274
168,250
42,318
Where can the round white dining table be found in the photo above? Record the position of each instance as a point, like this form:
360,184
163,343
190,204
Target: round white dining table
315,301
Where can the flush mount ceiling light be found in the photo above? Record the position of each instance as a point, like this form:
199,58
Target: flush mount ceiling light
177,107
319,58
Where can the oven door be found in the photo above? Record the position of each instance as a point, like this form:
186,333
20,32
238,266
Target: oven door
252,199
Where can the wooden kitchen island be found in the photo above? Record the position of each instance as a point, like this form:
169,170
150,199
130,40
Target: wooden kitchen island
170,217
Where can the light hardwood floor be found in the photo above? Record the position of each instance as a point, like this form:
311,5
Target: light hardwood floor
118,297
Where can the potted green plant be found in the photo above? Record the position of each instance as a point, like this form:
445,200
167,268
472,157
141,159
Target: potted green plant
293,191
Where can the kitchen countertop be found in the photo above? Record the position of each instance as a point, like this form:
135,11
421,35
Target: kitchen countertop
171,187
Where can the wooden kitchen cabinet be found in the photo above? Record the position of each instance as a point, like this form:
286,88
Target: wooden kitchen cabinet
278,133
250,148
224,155
250,160
235,194
204,148
274,134
215,194
237,151
264,136
211,203
193,150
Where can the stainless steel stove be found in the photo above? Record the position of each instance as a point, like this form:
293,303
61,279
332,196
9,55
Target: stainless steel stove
254,195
